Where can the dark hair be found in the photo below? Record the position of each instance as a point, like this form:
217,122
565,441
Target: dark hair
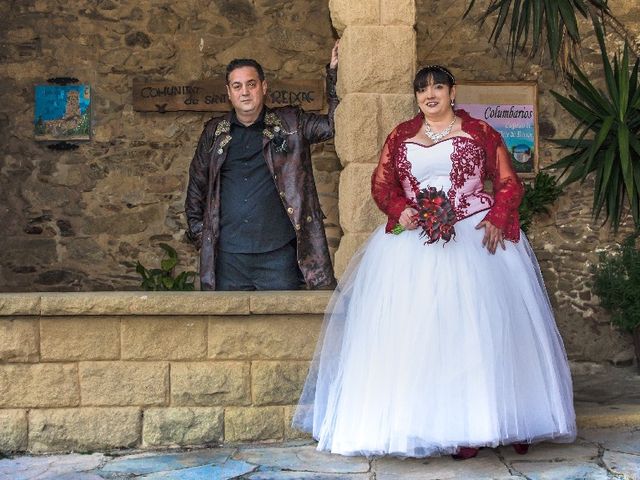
244,62
432,74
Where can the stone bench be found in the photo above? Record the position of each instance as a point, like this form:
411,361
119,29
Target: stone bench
105,370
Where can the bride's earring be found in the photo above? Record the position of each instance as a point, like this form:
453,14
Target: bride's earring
453,103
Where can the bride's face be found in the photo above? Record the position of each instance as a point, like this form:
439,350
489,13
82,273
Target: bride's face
434,100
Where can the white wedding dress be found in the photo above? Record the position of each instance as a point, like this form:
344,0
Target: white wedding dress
426,348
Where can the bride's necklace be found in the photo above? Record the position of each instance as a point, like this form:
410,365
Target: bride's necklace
436,137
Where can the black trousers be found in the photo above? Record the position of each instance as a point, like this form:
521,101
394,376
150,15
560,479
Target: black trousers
275,270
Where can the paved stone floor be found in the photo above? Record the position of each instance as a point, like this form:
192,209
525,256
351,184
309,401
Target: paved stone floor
599,454
605,396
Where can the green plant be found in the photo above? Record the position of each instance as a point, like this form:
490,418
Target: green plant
606,138
163,278
542,192
534,21
617,283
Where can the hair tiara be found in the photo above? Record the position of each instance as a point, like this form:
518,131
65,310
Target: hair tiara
442,69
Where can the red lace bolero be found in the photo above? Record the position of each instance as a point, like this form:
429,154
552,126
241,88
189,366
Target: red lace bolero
476,159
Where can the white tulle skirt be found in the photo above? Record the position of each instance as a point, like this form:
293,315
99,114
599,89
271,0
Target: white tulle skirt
426,348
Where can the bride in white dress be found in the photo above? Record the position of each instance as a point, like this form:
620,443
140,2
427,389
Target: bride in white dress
441,348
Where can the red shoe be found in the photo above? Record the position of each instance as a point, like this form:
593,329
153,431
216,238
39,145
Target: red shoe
465,453
520,448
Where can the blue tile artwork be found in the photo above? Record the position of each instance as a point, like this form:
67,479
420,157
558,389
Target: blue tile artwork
62,112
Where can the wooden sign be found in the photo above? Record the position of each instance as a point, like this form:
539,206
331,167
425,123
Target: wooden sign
211,95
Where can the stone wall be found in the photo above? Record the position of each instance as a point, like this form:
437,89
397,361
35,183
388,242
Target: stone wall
79,220
96,371
568,241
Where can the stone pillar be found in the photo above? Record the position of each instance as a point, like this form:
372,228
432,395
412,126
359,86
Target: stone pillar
377,65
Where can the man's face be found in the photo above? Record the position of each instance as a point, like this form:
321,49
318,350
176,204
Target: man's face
246,91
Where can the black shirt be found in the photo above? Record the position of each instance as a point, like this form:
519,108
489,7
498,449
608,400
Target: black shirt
252,217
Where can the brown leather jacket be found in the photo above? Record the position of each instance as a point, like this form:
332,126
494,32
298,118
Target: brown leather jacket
292,173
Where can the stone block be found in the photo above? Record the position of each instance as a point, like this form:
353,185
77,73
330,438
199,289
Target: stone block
247,47
264,337
291,433
124,223
350,243
14,429
567,469
277,383
548,452
80,338
19,303
164,338
183,426
63,466
144,303
19,339
623,464
124,383
485,466
186,464
39,385
357,137
210,383
84,429
623,440
306,462
358,211
363,121
398,12
607,416
394,109
287,302
30,250
345,13
253,424
381,59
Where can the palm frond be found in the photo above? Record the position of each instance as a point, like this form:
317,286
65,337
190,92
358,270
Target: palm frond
553,23
606,140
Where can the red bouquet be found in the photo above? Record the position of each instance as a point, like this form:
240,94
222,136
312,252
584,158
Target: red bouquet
435,216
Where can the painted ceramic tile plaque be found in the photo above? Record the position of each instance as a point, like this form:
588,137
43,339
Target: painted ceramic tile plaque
510,108
62,112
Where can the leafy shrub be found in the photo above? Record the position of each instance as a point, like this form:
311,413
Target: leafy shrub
617,283
163,278
606,141
537,196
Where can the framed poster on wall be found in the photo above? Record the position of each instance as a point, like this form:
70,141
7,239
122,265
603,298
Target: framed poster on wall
512,109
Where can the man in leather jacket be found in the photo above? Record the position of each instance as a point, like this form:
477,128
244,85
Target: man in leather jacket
252,206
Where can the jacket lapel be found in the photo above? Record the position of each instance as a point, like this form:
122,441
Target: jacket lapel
266,150
220,146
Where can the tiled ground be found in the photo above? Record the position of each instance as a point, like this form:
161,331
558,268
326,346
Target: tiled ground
599,454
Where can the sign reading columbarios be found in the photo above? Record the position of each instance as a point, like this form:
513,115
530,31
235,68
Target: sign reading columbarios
515,124
511,109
